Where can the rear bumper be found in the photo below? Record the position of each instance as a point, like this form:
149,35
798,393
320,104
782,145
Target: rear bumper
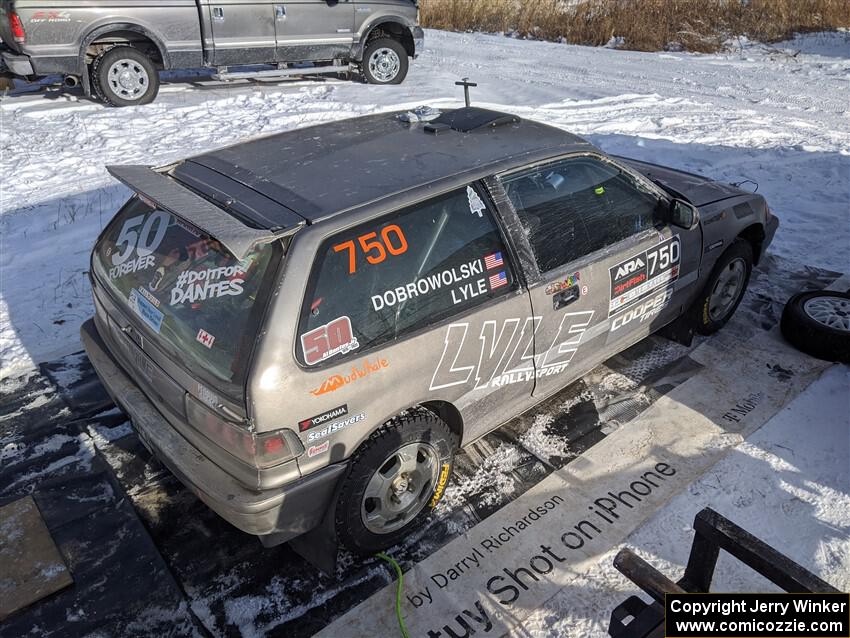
286,512
16,64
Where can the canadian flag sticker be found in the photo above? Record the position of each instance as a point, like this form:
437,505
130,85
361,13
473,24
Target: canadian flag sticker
205,338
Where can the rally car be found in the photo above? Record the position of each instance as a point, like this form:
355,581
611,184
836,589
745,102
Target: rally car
305,327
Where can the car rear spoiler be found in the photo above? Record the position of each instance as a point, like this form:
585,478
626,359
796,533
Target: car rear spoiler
169,195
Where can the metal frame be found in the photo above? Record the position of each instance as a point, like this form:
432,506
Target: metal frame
713,532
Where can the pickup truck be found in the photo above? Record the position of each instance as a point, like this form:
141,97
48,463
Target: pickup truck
116,48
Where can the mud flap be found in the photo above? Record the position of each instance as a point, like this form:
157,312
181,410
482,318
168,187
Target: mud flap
680,331
319,546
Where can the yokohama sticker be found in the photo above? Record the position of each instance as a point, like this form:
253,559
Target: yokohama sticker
324,342
644,273
313,421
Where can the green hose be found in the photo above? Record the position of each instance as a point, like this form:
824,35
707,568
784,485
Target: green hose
397,568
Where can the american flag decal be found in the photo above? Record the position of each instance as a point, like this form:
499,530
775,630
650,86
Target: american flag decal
493,261
499,280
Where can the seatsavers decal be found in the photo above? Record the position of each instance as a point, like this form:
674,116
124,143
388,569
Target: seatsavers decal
505,352
640,275
336,426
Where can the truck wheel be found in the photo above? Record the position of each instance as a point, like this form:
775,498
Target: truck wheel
124,76
396,478
818,323
725,288
385,62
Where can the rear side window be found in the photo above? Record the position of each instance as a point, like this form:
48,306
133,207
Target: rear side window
376,282
573,207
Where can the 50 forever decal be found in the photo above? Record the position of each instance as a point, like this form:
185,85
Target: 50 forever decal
144,241
324,342
392,241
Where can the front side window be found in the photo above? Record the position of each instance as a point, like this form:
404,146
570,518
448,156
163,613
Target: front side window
391,276
575,206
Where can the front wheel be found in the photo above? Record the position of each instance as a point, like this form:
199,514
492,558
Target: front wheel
725,288
124,76
385,62
396,478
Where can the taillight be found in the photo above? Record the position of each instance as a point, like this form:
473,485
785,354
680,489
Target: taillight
18,33
260,450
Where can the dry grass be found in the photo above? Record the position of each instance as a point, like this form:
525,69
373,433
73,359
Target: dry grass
645,25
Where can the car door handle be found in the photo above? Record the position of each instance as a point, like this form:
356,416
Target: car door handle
279,12
565,297
218,13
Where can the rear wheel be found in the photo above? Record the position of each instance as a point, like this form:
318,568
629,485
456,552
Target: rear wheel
124,76
725,288
396,478
385,62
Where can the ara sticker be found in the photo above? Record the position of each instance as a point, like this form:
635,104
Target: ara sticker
557,286
205,338
336,337
476,204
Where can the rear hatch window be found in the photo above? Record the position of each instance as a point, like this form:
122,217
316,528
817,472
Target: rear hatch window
198,301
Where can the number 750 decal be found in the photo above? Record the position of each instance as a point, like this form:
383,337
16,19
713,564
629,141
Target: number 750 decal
375,249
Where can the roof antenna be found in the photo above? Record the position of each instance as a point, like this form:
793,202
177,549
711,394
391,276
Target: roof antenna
466,84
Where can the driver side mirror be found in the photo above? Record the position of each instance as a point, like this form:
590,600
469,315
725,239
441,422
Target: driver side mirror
683,214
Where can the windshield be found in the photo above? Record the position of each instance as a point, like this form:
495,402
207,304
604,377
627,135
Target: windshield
184,286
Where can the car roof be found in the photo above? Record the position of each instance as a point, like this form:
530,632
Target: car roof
323,170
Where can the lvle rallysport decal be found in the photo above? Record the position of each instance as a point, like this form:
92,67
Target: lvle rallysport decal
503,352
324,342
639,276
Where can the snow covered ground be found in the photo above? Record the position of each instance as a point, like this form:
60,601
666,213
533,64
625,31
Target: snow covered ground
779,116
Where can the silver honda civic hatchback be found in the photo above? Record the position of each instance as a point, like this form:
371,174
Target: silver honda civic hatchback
305,327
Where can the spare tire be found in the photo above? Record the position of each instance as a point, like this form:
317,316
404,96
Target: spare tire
818,323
